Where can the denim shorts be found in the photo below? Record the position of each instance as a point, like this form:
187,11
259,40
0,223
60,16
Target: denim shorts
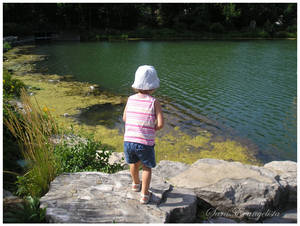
135,152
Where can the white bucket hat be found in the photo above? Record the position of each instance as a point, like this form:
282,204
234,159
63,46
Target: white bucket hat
145,78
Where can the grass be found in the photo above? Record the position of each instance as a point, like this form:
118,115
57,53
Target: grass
32,130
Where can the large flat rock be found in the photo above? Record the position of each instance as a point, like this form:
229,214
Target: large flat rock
286,175
206,172
289,216
167,169
232,187
93,197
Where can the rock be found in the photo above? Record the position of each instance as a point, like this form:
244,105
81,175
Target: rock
180,206
167,169
10,201
94,197
289,216
231,186
7,194
220,220
70,139
17,104
118,157
10,39
54,80
286,175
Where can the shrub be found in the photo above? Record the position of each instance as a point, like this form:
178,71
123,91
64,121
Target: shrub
292,29
11,87
84,156
263,34
281,34
27,212
216,28
6,46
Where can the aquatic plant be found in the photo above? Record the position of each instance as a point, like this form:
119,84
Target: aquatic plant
174,145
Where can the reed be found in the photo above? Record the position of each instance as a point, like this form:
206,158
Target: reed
33,127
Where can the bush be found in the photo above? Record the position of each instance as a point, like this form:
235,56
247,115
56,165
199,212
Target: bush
166,32
142,32
6,46
27,212
263,34
281,34
217,28
11,87
84,157
292,29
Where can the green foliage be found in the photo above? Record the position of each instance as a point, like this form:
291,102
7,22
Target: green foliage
269,27
285,34
217,28
11,87
117,18
11,150
292,29
85,156
37,179
6,46
32,130
27,212
230,12
263,34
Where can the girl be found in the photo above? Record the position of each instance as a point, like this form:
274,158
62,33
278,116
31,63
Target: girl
142,116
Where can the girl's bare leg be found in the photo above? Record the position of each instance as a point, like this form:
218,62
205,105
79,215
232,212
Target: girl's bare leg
134,171
146,178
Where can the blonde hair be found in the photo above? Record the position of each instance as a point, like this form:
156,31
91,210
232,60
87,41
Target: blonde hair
143,91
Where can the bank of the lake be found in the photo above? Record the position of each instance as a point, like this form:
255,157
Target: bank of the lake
68,101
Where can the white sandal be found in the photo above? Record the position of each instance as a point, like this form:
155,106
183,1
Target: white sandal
145,198
136,187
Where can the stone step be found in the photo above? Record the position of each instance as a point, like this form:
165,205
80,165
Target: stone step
94,197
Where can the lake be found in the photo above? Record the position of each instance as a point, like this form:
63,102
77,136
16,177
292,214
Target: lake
247,89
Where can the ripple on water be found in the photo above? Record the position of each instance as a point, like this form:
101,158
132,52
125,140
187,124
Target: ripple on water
247,87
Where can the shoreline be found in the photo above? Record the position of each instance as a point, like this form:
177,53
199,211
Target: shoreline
76,97
31,40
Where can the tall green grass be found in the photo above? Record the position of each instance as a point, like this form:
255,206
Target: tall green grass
32,129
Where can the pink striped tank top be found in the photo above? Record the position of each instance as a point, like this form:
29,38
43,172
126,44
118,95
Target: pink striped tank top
140,119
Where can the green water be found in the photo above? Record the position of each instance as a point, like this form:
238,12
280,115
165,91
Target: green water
245,89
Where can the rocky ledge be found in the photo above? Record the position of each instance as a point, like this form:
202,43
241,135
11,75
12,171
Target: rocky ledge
216,190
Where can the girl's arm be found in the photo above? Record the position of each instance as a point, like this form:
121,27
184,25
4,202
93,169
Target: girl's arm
124,113
159,116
